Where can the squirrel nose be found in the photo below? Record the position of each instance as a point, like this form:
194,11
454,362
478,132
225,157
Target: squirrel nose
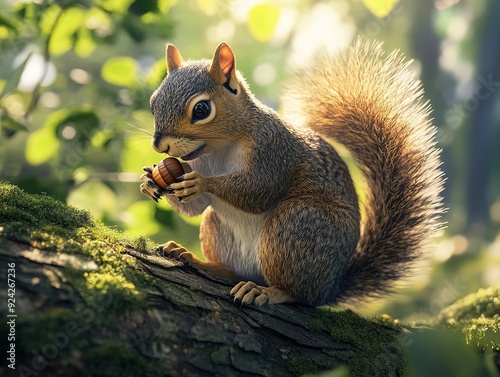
160,145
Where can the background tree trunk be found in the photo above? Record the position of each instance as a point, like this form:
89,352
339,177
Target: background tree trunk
483,125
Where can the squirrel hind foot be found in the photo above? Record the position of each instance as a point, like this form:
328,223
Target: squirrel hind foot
176,251
248,293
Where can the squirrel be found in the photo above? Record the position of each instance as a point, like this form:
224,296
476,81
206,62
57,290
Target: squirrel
280,210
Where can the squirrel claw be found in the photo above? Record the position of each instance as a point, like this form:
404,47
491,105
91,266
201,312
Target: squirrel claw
238,302
248,293
189,186
148,186
175,251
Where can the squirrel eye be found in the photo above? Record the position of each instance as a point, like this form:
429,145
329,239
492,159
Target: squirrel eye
201,110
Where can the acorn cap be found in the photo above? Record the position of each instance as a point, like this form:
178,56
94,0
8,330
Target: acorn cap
167,172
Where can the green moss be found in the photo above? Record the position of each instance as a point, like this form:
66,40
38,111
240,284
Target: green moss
111,285
376,348
476,317
142,244
378,351
17,207
387,320
48,224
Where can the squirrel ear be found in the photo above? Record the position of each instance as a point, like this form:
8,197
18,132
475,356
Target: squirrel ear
223,68
173,57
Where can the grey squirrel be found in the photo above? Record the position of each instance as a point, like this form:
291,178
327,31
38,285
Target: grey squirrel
280,211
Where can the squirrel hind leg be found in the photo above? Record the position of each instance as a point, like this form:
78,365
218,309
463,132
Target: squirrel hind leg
249,293
306,245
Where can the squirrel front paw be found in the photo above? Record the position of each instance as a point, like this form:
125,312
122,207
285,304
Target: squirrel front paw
190,186
148,185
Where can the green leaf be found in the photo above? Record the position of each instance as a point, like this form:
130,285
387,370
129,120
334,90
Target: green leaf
114,6
55,119
68,3
44,144
140,7
8,26
9,123
41,146
165,5
25,10
4,32
100,139
63,36
99,23
120,70
157,24
85,44
380,8
48,18
14,78
156,73
83,120
262,21
133,26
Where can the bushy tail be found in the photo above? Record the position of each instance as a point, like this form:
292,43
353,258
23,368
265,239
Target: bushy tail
373,105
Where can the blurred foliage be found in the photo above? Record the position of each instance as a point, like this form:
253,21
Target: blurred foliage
262,21
74,104
77,75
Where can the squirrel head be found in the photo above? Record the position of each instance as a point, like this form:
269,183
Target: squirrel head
197,105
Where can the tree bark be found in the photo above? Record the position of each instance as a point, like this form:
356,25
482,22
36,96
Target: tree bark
186,325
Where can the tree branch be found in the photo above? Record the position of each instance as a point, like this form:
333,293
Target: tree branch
185,324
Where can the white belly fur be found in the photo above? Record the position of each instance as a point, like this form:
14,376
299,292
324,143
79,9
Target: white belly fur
243,256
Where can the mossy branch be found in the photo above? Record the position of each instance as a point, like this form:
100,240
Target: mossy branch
92,301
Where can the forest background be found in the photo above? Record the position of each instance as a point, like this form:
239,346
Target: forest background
76,77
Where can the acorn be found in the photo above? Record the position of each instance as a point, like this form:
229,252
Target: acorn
167,172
